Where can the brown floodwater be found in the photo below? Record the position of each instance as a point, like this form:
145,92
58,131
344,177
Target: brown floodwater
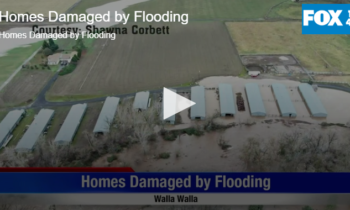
203,154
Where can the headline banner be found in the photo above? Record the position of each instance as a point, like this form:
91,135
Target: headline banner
112,181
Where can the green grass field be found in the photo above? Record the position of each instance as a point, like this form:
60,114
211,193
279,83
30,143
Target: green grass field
67,44
72,98
14,59
324,53
292,10
208,9
197,9
86,4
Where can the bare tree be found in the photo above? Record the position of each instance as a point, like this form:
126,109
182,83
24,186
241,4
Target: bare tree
295,151
141,134
10,158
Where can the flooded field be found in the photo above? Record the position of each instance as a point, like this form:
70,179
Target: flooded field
203,154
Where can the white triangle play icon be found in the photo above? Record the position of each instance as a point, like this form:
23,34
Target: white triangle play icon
174,103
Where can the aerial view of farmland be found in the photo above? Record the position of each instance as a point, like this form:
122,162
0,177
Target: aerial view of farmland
266,97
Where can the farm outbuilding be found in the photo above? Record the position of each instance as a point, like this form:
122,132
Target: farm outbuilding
227,102
35,130
107,115
198,96
9,123
141,100
70,124
255,101
284,102
312,100
170,120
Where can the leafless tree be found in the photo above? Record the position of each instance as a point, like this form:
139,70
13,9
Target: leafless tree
48,154
141,134
297,152
10,158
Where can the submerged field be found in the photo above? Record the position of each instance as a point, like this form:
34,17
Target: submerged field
326,53
132,63
36,6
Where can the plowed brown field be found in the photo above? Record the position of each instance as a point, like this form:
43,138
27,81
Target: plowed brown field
141,62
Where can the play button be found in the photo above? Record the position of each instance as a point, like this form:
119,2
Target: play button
174,103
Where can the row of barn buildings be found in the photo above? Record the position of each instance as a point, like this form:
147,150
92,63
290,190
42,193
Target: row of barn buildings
42,122
142,100
255,101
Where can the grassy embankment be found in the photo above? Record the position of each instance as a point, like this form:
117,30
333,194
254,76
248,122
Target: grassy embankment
14,58
292,10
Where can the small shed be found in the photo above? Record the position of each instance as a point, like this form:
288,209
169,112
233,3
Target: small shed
254,73
141,100
227,102
198,96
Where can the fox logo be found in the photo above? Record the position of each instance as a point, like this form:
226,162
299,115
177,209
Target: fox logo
322,17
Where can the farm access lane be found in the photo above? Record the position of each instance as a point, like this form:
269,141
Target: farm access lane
41,101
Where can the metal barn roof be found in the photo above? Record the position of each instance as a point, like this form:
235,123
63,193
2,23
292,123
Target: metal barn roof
107,115
198,96
172,118
256,104
312,101
70,124
284,102
141,100
227,102
35,130
9,123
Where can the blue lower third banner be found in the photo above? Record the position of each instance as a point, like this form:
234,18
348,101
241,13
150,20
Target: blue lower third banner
174,188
